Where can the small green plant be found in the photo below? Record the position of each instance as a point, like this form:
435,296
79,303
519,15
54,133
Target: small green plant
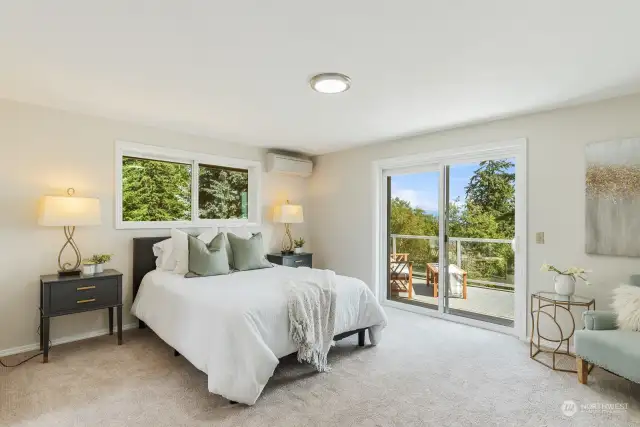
100,258
88,261
575,272
298,243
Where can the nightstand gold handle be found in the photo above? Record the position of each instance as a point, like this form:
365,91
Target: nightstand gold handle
299,261
83,301
84,288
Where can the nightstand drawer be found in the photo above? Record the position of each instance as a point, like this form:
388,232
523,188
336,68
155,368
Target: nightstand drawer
83,295
297,261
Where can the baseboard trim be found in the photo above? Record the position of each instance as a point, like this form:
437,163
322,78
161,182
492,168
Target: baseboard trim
62,340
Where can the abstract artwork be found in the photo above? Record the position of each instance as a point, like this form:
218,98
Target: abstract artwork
613,198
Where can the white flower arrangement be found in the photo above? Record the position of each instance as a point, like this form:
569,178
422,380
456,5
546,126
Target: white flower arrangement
575,272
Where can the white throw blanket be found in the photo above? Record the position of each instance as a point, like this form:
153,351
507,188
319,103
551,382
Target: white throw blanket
312,305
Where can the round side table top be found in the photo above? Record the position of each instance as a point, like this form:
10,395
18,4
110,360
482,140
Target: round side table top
563,299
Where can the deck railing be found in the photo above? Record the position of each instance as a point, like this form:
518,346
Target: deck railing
458,241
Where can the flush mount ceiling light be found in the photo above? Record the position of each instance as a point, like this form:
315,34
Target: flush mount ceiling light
330,83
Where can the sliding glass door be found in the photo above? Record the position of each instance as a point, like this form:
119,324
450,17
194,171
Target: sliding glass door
413,206
479,221
451,237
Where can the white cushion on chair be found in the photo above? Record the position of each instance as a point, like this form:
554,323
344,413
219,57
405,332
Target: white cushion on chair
626,304
456,281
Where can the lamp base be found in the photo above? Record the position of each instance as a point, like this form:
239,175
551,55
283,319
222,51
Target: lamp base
286,252
62,273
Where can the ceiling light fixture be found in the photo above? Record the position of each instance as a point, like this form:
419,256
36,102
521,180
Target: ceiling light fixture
330,83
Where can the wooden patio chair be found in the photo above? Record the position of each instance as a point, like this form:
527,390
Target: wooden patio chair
401,275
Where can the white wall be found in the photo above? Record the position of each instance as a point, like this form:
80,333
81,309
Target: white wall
45,151
341,213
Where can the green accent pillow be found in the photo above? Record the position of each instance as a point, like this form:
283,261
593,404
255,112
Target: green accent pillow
207,259
248,254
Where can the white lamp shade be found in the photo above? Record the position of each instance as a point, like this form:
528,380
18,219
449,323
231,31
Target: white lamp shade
69,211
288,214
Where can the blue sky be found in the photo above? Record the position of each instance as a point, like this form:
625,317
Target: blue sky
421,189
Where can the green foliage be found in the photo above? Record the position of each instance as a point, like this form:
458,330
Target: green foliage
154,190
222,192
492,189
100,259
298,243
408,220
488,212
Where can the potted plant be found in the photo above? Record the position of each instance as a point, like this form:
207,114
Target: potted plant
100,260
88,267
565,280
298,243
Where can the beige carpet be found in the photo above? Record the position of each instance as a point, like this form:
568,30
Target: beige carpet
425,372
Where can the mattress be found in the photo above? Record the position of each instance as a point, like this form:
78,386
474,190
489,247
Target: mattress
235,327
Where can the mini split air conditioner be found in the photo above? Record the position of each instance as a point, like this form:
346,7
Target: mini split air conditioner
288,165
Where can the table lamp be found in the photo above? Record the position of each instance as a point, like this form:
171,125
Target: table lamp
287,214
69,212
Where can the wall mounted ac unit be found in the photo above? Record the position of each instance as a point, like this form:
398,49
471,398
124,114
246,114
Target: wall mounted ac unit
280,163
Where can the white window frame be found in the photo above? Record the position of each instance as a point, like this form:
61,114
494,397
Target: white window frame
435,160
152,152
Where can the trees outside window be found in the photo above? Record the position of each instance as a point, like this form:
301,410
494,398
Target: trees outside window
154,190
159,187
487,211
223,192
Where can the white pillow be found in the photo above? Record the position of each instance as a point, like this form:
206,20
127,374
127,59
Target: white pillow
209,234
626,304
166,259
181,247
241,231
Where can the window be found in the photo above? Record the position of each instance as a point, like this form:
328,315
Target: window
223,192
155,190
163,188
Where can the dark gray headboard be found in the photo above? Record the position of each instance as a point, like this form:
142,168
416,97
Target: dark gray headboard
143,259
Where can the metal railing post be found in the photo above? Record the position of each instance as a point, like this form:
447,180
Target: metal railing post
394,245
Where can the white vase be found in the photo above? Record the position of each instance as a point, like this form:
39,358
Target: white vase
298,250
88,269
565,285
99,268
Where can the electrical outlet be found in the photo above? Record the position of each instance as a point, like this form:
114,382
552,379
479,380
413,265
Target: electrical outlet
540,237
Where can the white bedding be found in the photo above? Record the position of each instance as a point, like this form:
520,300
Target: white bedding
235,327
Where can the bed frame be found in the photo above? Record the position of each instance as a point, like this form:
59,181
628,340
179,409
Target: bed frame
144,261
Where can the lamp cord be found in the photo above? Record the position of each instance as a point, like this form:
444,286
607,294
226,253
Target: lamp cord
22,362
28,358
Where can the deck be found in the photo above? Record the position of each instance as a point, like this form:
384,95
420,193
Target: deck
486,301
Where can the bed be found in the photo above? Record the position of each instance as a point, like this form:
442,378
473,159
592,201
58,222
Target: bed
234,328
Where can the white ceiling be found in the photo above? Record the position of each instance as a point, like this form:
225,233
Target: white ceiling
238,70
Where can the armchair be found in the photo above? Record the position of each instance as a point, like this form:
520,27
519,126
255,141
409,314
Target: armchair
603,344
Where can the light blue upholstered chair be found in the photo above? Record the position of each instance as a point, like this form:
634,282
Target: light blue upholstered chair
604,345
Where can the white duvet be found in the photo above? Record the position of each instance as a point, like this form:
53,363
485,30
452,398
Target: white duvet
235,327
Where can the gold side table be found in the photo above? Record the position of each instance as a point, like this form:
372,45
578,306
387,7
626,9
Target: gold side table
549,303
